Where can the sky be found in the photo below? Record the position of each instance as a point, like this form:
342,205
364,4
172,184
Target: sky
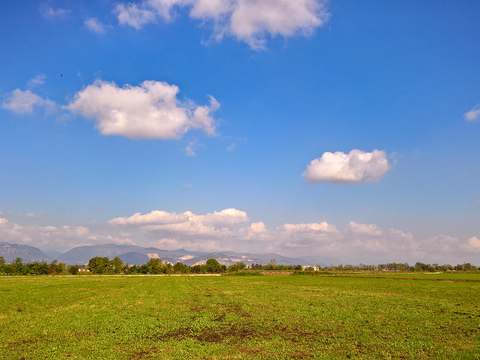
337,129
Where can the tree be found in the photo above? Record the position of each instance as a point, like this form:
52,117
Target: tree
61,268
197,269
18,267
213,266
181,268
233,268
100,265
142,269
156,266
73,269
117,265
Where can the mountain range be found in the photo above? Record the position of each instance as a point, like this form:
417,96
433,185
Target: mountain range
27,253
137,255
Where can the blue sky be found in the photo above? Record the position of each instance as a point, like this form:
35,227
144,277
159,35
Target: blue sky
315,78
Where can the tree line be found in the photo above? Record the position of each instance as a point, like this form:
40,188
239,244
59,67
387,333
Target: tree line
17,267
418,267
103,265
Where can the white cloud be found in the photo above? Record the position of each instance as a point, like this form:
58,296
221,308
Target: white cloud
150,110
24,102
352,168
258,227
473,244
187,222
32,216
154,218
165,8
51,237
191,147
167,243
36,81
250,21
134,16
473,114
50,13
94,25
363,229
317,235
231,147
366,243
227,218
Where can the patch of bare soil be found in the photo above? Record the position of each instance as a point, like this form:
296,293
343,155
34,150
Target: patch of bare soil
239,333
232,333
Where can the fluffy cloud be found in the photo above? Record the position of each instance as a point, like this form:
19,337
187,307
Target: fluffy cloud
473,244
306,234
473,114
50,13
134,16
154,218
190,149
217,231
36,81
227,218
367,243
51,237
250,21
352,168
363,229
150,110
24,102
370,241
186,222
94,25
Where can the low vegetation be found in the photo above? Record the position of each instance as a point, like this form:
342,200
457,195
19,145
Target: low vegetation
103,265
238,317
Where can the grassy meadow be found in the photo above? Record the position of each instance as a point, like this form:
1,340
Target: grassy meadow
237,317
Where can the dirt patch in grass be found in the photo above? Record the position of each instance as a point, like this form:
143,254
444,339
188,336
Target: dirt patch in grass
239,333
232,333
142,354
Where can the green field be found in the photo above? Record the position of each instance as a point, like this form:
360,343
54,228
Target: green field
237,317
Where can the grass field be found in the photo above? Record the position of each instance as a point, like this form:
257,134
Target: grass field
230,317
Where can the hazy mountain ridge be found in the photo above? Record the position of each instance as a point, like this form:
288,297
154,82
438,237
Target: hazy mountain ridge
26,252
137,255
133,254
82,254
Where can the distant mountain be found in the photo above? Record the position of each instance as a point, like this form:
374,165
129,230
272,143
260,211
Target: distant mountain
321,260
27,253
134,258
53,254
82,254
137,255
224,259
283,260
